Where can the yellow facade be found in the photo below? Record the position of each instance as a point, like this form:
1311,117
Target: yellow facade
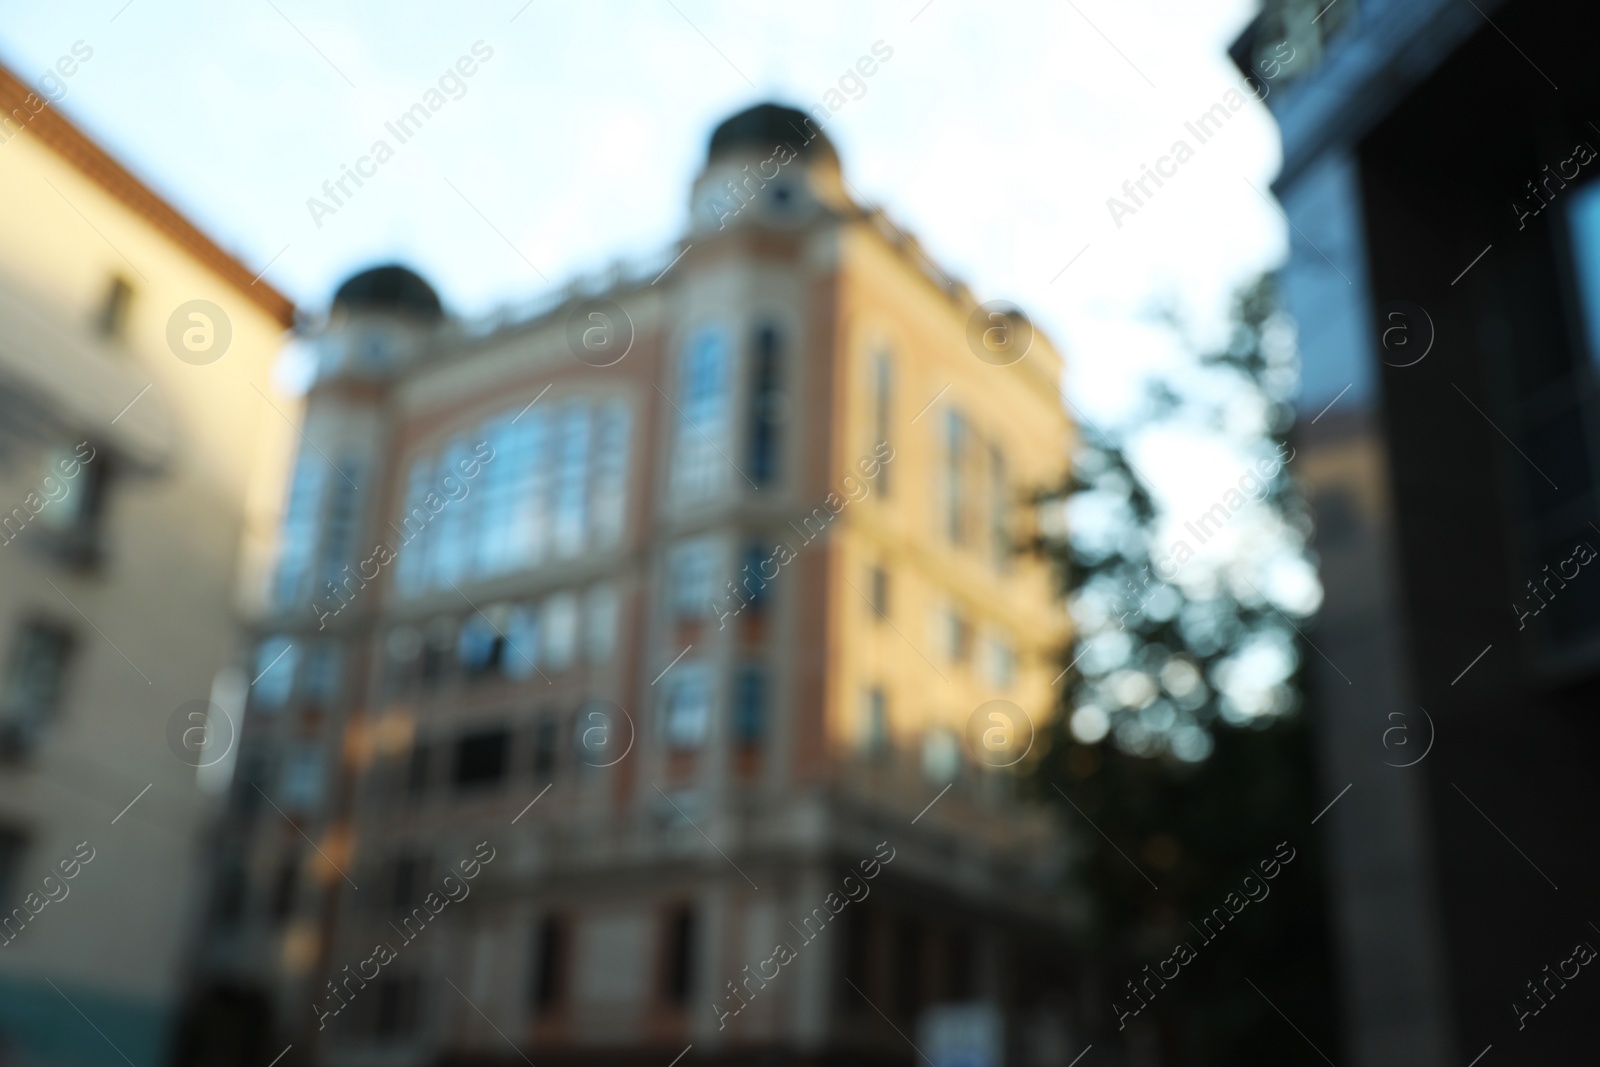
892,309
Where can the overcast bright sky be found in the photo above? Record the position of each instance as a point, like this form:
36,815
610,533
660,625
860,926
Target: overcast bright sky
995,134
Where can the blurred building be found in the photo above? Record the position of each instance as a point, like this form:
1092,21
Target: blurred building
134,487
663,610
1439,178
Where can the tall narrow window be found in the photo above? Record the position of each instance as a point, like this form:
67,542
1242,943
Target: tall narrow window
700,436
343,529
759,570
688,708
453,531
956,444
692,578
882,406
750,708
406,881
612,425
601,611
113,318
320,678
549,962
284,887
35,678
546,744
559,631
572,480
300,522
678,973
523,642
74,517
12,843
999,510
276,661
766,405
875,722
419,774
542,431
413,567
504,487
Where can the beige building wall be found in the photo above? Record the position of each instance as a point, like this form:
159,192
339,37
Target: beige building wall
193,459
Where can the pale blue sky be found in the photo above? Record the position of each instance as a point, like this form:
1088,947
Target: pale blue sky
993,135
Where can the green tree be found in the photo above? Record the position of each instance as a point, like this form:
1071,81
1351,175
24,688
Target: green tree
1182,754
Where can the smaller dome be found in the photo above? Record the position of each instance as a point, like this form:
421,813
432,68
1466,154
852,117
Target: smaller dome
389,288
767,125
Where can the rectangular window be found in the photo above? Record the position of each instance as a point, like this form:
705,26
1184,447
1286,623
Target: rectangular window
285,887
612,430
414,565
692,578
522,642
688,707
35,681
453,532
541,485
549,963
957,438
572,480
338,559
74,516
879,592
319,680
766,406
438,652
405,883
908,970
481,758
12,843
298,545
700,434
546,744
305,773
113,318
600,616
753,578
958,637
480,648
505,490
750,708
875,722
398,1006
882,408
678,972
1002,662
560,631
420,774
999,510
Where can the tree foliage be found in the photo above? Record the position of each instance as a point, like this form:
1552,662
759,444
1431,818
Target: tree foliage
1182,754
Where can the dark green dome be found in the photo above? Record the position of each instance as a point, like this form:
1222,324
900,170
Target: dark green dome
389,288
767,125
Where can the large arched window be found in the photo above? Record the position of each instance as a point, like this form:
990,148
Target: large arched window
546,482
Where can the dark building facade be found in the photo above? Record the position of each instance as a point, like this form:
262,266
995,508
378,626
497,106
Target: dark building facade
1438,176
